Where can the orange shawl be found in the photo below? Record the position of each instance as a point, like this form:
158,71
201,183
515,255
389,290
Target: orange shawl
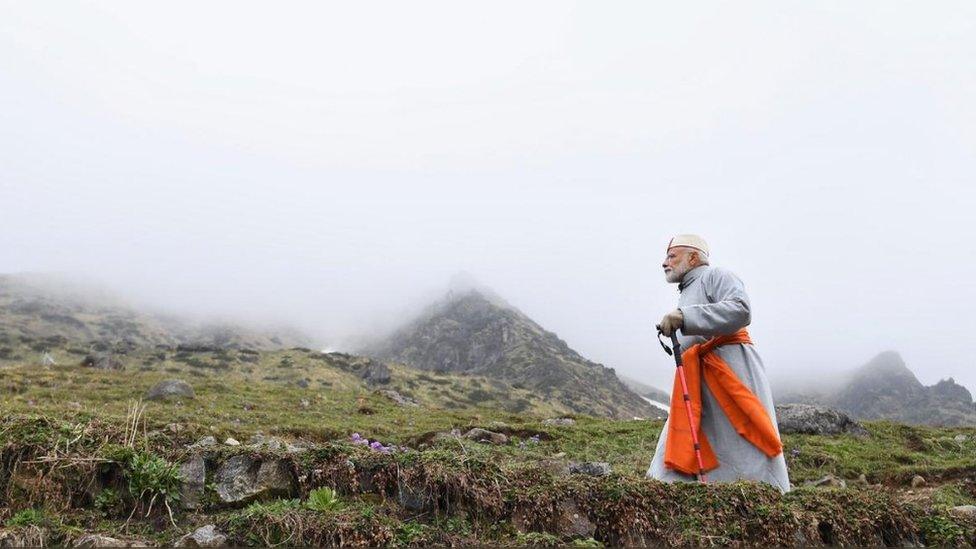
741,406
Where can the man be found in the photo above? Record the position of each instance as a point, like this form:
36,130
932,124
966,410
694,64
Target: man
730,395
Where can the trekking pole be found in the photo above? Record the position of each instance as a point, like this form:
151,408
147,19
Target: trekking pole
675,350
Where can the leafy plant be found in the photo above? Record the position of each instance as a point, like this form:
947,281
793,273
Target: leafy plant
152,478
109,501
324,499
27,517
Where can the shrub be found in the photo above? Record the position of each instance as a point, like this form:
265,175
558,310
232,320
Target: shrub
27,517
324,499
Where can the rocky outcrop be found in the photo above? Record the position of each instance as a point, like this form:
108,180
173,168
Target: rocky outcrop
193,475
170,388
205,536
472,331
243,478
808,419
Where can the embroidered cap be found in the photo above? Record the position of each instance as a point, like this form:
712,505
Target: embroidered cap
689,241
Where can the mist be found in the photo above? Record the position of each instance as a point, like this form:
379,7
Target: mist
332,166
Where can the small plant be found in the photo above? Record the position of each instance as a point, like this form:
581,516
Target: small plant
411,533
153,478
109,502
538,539
259,510
324,499
27,517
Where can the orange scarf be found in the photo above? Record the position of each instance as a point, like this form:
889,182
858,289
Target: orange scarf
741,406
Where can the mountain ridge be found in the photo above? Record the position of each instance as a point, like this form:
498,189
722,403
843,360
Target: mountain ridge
474,331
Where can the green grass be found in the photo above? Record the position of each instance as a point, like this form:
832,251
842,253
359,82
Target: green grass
67,412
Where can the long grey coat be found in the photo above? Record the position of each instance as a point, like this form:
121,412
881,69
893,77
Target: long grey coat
714,302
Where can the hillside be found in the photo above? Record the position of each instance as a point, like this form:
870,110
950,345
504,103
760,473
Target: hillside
262,460
885,388
56,309
475,332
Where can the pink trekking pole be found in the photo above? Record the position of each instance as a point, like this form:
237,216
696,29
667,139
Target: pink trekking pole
675,350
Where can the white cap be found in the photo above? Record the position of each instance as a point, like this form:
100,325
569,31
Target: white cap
689,241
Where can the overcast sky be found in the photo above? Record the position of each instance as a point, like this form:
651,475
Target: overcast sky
332,165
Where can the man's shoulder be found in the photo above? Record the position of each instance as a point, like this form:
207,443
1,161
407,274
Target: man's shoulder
717,274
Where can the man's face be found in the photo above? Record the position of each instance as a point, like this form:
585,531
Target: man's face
677,263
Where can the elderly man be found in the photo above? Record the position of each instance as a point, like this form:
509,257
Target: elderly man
732,406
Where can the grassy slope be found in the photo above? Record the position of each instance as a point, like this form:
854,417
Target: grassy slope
76,414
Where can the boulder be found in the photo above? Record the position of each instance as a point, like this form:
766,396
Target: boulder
102,361
591,468
829,481
560,421
809,419
170,388
918,481
98,540
965,511
193,474
484,435
376,373
262,442
205,536
204,442
572,522
397,397
243,478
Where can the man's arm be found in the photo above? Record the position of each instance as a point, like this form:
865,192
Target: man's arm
729,311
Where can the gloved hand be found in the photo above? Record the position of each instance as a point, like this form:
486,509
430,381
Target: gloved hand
671,322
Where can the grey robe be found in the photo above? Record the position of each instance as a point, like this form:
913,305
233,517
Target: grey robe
714,302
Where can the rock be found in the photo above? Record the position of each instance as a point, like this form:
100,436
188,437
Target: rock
231,441
170,388
193,474
304,403
484,435
204,442
815,420
243,478
98,540
592,468
261,442
376,373
102,361
917,481
571,522
560,421
829,481
205,536
411,498
960,438
303,383
965,511
862,479
397,397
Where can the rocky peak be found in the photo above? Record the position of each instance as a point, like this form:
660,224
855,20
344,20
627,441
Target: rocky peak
473,330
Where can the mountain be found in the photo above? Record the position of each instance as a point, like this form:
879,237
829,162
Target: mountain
656,397
41,307
885,388
473,331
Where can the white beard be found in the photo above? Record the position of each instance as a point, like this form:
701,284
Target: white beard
678,272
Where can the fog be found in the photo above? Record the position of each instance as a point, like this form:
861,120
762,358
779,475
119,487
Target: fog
332,166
